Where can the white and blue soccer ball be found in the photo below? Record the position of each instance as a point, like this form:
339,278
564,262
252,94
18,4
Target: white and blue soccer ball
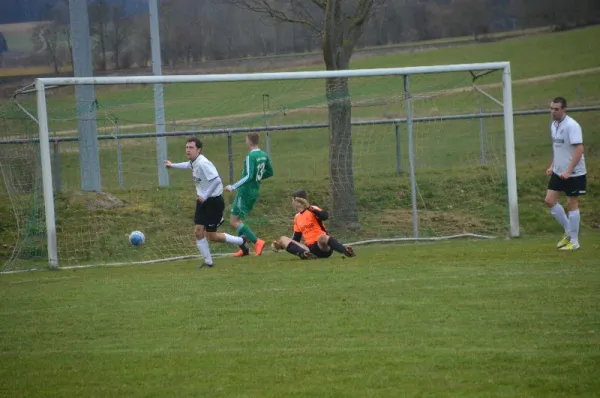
137,238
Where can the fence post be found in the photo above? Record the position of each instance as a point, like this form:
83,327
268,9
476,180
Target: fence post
119,156
398,151
266,110
56,166
230,156
411,158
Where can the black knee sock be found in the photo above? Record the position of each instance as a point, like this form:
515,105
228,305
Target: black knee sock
294,249
335,245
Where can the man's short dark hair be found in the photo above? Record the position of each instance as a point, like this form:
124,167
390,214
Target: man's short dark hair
301,193
561,101
196,141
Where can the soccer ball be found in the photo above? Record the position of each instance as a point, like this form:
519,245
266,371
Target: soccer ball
136,238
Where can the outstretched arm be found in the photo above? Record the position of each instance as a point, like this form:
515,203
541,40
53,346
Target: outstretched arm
319,213
182,165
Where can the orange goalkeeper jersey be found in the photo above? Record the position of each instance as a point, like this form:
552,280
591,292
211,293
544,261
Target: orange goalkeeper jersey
309,225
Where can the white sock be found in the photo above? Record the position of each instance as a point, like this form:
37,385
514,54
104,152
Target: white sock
558,212
202,246
574,218
236,240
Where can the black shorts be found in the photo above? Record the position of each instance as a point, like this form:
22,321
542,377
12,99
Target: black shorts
572,186
317,251
210,213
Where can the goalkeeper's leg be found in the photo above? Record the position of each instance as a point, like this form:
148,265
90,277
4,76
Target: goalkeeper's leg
328,243
293,247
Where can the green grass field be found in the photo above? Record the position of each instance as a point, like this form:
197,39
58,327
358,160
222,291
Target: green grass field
456,193
453,319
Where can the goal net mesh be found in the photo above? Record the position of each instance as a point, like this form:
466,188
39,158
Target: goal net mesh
459,164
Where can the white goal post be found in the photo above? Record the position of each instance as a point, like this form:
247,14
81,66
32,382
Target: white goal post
42,84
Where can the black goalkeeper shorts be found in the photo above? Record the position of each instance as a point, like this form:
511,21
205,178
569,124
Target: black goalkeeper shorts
317,251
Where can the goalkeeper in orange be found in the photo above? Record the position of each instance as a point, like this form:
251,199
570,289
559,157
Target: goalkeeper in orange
308,224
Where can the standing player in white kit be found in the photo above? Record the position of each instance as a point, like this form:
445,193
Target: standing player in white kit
209,201
567,172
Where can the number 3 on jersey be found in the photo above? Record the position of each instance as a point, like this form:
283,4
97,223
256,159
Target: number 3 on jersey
260,171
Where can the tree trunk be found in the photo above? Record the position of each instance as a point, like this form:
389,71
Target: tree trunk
52,52
341,168
117,53
55,64
71,53
102,47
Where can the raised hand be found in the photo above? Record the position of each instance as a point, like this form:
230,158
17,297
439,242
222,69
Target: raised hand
303,202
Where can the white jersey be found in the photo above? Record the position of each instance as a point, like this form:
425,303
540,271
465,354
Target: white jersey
204,171
565,135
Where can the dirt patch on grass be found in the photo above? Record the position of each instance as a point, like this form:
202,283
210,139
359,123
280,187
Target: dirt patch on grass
95,200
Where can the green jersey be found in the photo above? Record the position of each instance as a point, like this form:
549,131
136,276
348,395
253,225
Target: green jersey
257,167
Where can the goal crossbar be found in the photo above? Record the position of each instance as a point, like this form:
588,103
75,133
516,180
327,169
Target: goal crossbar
41,84
233,77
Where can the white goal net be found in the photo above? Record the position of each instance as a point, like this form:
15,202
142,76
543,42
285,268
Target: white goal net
393,154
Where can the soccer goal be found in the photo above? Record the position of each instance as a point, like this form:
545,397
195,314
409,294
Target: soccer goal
394,154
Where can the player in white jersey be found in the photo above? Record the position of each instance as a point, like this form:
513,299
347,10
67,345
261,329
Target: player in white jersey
567,172
209,200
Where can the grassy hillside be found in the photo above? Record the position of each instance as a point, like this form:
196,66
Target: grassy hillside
456,192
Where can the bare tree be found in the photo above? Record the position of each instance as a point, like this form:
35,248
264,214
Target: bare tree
51,37
46,38
475,16
140,40
561,15
99,26
119,34
172,31
339,24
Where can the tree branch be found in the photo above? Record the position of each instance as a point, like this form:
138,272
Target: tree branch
263,7
329,45
305,10
319,3
363,13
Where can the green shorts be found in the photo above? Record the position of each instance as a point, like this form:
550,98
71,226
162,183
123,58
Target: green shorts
243,204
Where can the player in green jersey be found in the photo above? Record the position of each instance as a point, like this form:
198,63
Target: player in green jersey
257,167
